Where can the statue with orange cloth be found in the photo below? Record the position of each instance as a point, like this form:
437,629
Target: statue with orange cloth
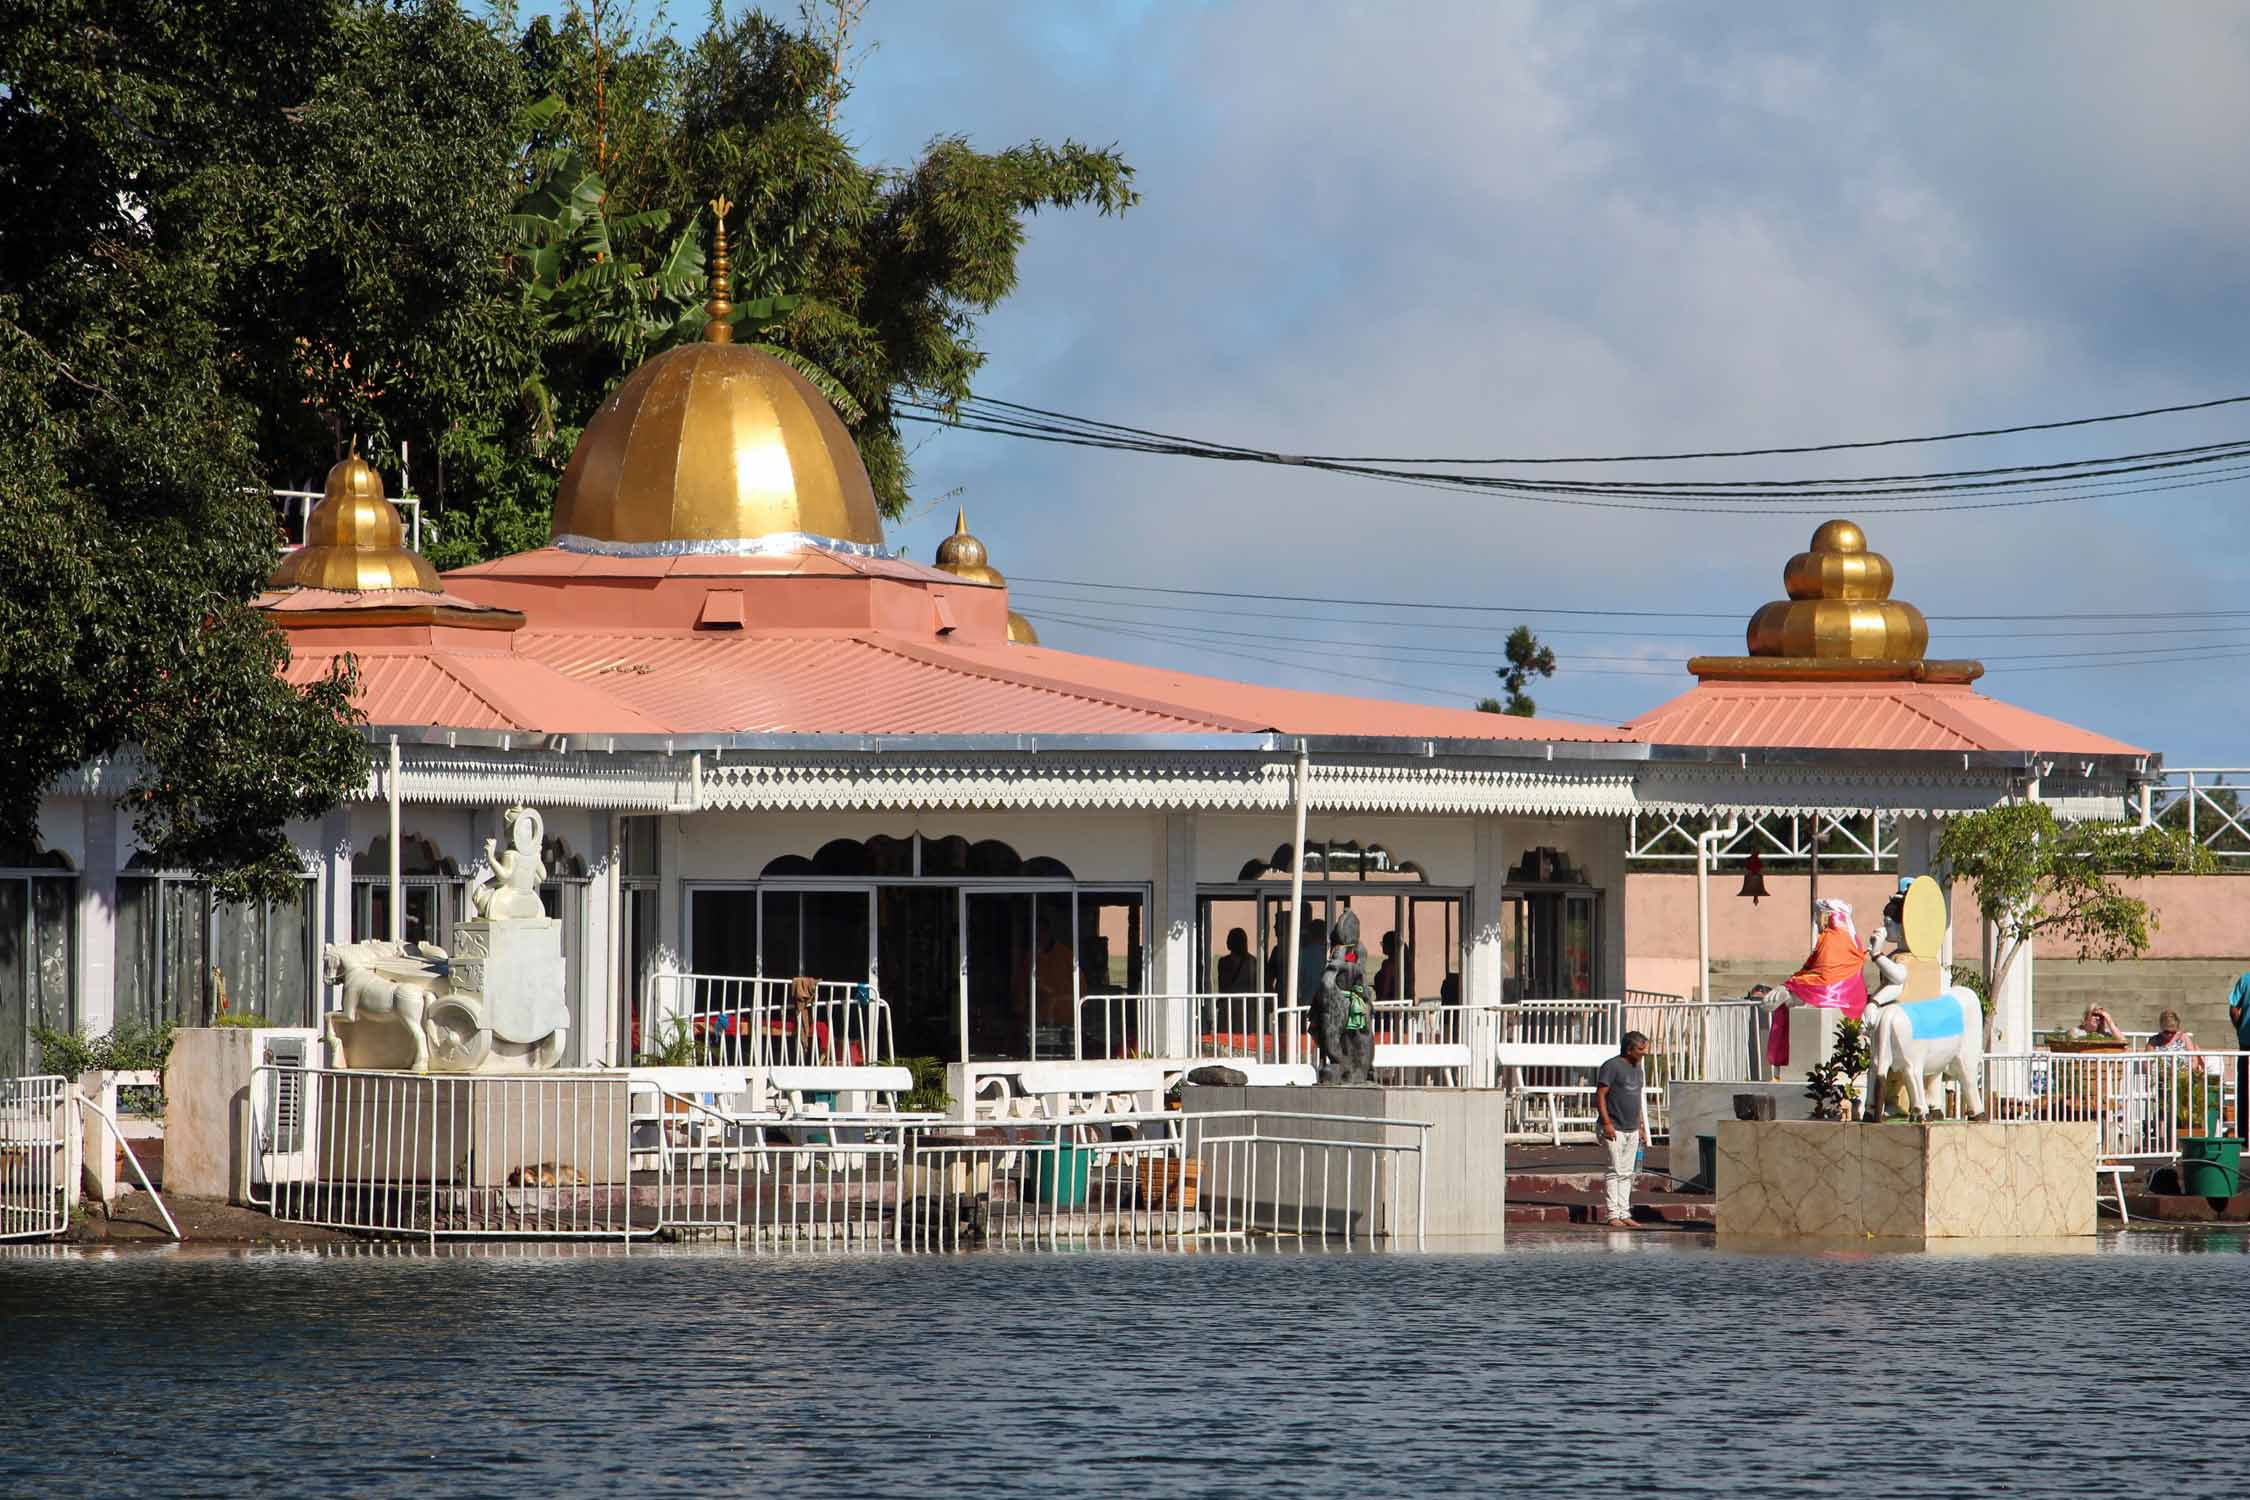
1830,978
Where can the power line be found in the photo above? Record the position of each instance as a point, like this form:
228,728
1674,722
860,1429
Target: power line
1623,614
2023,485
1644,458
1035,597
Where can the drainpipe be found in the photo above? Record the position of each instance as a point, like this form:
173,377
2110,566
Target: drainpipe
1297,881
398,905
1706,844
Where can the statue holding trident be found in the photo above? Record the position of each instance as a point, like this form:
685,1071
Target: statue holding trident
509,891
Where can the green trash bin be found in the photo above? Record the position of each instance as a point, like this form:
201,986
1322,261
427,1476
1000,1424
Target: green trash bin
1058,1177
1707,1162
2210,1166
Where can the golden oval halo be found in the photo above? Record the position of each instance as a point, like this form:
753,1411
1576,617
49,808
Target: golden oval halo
1922,923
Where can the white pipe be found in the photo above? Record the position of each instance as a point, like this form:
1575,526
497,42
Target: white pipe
398,904
127,1147
1297,879
1706,844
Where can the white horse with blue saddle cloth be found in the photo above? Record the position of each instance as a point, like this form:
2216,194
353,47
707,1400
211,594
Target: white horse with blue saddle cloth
1940,1030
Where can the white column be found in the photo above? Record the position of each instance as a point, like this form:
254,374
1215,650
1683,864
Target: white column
596,971
96,920
335,920
1606,869
1486,958
2011,998
671,914
1174,853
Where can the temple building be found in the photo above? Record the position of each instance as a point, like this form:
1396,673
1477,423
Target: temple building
764,745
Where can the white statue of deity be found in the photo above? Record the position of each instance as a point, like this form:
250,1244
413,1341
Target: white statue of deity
509,891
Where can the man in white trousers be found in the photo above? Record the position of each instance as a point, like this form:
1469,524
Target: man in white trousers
1617,1105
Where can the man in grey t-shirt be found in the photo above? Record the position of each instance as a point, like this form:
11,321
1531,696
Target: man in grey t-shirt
1617,1107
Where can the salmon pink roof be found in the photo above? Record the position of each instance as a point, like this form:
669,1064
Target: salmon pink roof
1862,716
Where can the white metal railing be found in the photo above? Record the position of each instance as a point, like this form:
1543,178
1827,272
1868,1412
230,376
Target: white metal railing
2143,1102
618,1155
1691,1042
733,1020
2206,803
433,1155
1590,1022
817,1179
38,1174
1847,840
1126,1181
1310,1176
1194,1027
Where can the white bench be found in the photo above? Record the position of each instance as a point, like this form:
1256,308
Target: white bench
1061,1084
1447,1057
1583,1056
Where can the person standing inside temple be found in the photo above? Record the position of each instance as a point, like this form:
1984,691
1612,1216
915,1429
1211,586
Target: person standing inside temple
1237,972
1617,1105
1054,975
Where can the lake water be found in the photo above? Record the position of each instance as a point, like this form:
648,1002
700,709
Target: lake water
1653,1363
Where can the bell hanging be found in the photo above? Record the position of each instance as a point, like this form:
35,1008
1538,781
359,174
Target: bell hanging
1753,879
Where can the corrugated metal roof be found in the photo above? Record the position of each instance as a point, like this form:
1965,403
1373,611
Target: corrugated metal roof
1861,716
832,684
473,690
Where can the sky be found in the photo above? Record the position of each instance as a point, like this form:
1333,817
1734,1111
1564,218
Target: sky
1523,228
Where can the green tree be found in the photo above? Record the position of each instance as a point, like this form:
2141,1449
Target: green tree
869,278
237,232
1527,659
2035,875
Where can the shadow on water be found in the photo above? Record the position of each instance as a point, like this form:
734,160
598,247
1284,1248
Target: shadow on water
1657,1361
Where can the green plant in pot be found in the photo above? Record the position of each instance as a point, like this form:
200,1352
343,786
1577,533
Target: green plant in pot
1833,1086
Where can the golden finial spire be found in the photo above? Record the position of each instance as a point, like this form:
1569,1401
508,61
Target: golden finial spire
719,330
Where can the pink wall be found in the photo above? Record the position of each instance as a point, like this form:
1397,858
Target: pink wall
2198,916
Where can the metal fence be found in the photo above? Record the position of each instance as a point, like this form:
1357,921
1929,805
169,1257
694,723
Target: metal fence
1691,1042
734,1021
437,1155
2144,1102
2205,803
38,1176
830,1180
594,1155
1200,1026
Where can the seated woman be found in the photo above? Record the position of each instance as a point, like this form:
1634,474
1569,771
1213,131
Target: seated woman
2097,1023
1831,978
2169,1037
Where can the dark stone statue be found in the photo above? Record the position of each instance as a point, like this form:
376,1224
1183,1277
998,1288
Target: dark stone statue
1343,1012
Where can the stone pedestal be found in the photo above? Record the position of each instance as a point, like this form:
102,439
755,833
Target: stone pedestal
1820,1180
1812,1039
1695,1109
1465,1179
516,968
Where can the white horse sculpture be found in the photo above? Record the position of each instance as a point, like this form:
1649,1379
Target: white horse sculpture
370,994
1944,1033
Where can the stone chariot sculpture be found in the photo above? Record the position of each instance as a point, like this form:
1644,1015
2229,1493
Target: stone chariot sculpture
495,1004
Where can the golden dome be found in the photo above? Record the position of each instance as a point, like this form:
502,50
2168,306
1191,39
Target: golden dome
354,539
965,558
714,446
1839,605
1839,623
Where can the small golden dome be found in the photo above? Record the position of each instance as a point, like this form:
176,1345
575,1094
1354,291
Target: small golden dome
354,539
1839,606
713,447
965,557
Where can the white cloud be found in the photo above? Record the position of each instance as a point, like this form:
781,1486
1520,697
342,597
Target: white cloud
1472,228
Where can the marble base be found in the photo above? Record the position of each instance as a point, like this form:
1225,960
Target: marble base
1820,1180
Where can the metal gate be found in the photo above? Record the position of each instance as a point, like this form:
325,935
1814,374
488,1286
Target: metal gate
36,1170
